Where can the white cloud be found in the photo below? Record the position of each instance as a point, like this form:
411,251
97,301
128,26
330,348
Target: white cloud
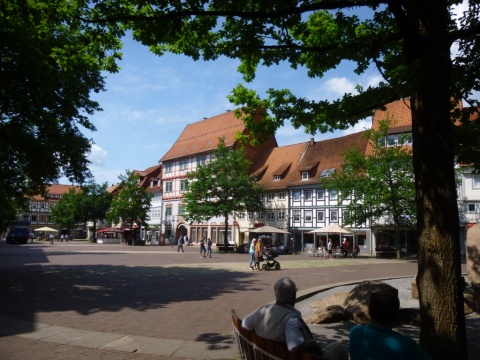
360,126
339,86
98,157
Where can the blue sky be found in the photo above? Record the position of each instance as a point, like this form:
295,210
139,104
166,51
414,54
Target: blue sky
150,101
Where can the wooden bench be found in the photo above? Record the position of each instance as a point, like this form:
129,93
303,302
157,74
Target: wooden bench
254,347
385,252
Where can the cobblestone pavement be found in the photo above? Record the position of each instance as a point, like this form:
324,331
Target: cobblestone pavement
150,292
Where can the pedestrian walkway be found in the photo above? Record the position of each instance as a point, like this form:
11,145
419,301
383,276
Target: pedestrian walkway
119,302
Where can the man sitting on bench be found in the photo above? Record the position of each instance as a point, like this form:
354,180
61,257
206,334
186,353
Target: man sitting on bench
283,323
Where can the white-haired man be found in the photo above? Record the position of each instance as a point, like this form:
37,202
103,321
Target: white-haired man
283,323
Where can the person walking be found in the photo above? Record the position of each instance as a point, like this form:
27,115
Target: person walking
181,241
203,249
209,247
252,253
50,237
258,254
329,249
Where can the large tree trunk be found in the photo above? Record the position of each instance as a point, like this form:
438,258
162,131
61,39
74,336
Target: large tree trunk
427,50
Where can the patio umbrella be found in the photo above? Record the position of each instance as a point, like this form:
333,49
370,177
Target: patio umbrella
335,228
46,228
268,229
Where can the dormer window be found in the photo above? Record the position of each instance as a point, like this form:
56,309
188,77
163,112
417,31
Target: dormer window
276,178
151,182
304,175
327,172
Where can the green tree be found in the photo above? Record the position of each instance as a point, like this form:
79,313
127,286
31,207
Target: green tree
408,42
378,184
49,67
130,204
222,186
93,203
64,212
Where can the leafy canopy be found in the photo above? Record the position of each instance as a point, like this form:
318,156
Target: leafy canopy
131,203
91,203
50,66
222,186
64,211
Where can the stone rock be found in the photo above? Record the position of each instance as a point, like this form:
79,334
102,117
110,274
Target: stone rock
335,299
327,315
473,257
470,301
357,300
414,288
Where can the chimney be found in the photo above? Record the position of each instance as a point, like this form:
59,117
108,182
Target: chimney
312,141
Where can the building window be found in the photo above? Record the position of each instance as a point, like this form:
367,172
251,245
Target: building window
320,194
183,164
396,140
281,215
260,216
308,215
333,195
250,216
168,186
34,218
270,216
304,175
471,207
181,209
308,195
168,211
296,195
271,196
281,195
334,216
183,185
476,181
241,216
168,167
276,178
296,215
320,215
201,160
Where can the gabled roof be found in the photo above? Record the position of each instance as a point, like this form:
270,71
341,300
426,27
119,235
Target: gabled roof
55,189
149,174
325,155
399,112
279,161
202,136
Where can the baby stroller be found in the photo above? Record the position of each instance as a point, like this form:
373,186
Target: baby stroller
270,262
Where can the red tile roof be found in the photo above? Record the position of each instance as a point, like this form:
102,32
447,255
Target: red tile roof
398,112
202,136
277,161
56,189
325,155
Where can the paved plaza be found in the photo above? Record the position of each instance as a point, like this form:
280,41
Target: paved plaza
79,300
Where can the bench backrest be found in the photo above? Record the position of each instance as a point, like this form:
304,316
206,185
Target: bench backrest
252,346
